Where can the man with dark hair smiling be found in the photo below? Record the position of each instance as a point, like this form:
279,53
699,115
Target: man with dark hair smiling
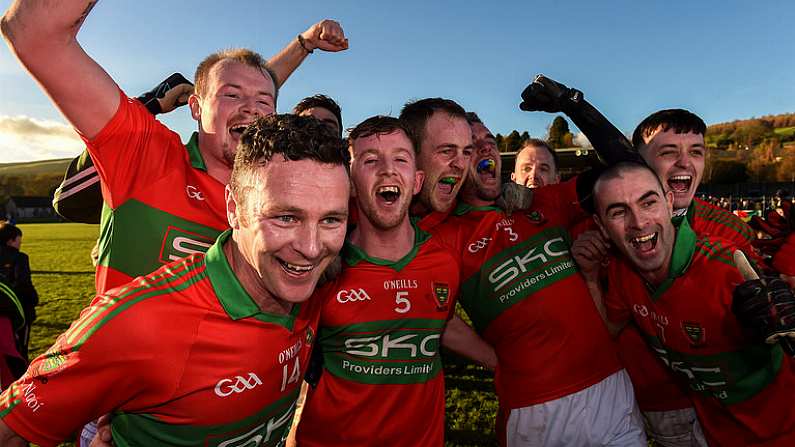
226,335
679,288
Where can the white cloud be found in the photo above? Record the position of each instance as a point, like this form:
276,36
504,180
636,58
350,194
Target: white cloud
23,138
581,140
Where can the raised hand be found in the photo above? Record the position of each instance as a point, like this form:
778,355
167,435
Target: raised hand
326,35
547,95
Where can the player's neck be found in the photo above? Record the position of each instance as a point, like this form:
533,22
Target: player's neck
218,169
391,245
252,283
418,209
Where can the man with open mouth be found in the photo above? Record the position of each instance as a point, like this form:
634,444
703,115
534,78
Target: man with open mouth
679,288
209,349
536,165
440,130
559,381
386,316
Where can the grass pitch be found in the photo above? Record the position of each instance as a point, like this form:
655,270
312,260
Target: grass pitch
64,277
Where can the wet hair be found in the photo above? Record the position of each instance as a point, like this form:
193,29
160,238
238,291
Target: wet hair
680,120
379,124
535,142
617,171
416,114
291,136
8,232
241,55
323,102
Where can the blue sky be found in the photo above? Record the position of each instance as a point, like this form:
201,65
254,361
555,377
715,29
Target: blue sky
723,60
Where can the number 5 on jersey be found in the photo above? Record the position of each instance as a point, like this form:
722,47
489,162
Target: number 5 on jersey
402,301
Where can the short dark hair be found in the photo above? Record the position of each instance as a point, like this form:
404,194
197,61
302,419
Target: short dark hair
241,55
680,120
8,232
415,114
379,124
292,136
473,118
536,142
617,170
321,101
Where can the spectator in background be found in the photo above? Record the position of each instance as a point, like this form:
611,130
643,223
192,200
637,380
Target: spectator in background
322,108
18,306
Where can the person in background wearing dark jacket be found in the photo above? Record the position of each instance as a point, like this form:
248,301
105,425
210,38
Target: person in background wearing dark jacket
18,301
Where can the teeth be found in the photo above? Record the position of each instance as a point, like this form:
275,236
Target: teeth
298,268
385,189
684,178
645,238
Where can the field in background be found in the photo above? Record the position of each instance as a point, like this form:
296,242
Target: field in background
64,277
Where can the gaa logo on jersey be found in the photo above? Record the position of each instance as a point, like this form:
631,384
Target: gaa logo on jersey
695,333
441,293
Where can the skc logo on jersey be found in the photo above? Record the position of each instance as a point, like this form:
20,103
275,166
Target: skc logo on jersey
179,243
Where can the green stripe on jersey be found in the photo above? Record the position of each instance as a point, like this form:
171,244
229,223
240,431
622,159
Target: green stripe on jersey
402,351
156,237
515,274
174,278
731,377
266,428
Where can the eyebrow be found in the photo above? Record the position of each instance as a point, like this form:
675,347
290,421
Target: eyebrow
647,195
239,87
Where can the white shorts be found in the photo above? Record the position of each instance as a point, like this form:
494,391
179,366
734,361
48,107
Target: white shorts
675,428
604,414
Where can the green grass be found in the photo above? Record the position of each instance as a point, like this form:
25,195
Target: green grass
30,168
785,131
64,277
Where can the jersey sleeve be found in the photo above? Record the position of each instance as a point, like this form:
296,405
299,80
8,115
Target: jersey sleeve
99,365
132,149
78,198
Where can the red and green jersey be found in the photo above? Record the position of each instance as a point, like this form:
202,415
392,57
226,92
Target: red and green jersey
160,204
182,356
741,390
380,332
524,295
656,389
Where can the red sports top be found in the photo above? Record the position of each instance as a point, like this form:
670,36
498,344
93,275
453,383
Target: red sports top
741,390
183,356
525,296
159,202
380,332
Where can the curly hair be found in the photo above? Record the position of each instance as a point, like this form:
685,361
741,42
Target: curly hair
291,136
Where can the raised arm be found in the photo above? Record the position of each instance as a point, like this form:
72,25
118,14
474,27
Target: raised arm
544,94
326,35
43,35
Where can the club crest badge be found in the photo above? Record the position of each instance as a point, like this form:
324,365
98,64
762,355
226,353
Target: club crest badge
536,217
441,293
694,332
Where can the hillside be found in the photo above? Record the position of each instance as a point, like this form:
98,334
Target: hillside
35,178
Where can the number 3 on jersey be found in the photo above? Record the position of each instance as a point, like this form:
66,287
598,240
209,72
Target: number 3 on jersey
402,301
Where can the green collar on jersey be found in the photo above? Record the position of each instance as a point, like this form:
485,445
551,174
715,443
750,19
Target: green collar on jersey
684,248
237,303
463,208
353,254
196,159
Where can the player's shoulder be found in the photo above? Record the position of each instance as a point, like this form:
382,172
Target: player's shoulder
714,253
708,218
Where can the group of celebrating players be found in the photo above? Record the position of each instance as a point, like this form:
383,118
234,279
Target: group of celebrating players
268,252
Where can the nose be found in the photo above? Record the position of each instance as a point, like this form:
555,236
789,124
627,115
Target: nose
386,167
460,161
636,220
307,242
683,161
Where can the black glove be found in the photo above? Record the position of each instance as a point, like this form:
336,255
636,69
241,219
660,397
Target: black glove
766,308
150,98
544,94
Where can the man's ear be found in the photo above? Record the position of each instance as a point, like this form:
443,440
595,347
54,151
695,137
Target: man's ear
195,107
513,176
419,179
669,199
601,227
232,209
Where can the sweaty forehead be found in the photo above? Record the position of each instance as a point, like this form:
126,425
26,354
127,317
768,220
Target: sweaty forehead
383,143
660,137
536,155
301,185
229,71
626,186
